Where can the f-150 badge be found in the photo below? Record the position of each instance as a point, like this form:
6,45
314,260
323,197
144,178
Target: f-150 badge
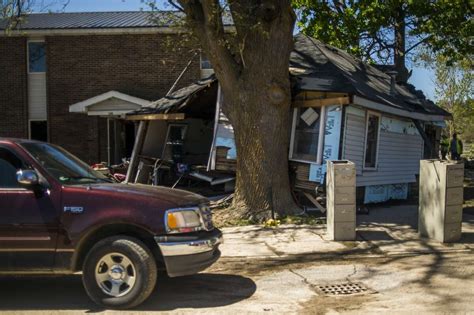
74,209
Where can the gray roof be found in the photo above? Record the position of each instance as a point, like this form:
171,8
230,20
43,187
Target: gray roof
321,67
94,20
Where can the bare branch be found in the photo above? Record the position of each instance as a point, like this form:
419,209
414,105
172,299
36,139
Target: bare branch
176,6
205,18
417,44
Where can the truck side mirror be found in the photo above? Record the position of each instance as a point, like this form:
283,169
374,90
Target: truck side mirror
27,177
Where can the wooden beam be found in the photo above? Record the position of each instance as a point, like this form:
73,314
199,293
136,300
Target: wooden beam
315,202
177,116
308,95
322,102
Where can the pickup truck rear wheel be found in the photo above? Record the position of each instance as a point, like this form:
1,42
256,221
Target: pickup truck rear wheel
119,272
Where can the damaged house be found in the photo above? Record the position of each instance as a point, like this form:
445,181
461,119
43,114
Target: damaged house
342,108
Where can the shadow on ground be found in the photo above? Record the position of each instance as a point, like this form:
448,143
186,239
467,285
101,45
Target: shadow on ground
67,293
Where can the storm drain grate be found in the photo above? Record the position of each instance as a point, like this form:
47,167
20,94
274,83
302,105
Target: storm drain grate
348,288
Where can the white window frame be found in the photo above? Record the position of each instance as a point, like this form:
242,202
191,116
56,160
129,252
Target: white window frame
322,128
29,127
28,55
367,115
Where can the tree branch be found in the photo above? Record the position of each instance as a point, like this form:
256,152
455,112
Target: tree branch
417,44
205,18
176,6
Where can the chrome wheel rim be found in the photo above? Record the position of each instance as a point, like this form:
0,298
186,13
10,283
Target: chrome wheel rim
115,274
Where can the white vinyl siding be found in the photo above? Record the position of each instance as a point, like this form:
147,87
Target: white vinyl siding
354,137
399,154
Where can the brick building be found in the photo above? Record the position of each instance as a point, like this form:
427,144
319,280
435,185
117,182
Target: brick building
68,78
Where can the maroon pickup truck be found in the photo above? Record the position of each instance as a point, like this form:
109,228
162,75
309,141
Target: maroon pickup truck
57,215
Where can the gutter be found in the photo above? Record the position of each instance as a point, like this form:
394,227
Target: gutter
100,31
395,111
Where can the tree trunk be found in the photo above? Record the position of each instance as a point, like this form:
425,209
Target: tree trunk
261,132
258,106
399,57
252,67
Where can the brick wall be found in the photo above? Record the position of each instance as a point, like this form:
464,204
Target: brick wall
81,67
13,87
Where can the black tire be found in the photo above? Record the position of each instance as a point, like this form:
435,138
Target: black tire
145,271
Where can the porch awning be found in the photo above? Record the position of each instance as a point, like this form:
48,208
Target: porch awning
110,104
173,104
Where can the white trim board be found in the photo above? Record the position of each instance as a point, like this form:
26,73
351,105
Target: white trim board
82,107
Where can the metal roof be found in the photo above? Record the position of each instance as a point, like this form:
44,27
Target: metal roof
99,20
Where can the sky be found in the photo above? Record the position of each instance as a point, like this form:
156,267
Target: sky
422,78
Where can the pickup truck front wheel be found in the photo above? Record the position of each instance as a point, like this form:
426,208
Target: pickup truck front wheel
119,272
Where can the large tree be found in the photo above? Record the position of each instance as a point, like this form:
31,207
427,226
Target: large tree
454,89
251,63
387,31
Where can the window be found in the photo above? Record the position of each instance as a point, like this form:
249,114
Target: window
371,140
36,57
62,165
39,130
306,134
9,165
205,63
174,146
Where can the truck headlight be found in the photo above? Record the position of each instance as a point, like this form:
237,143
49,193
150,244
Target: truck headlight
183,220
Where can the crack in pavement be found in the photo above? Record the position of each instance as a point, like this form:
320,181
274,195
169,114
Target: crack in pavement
354,271
317,234
274,250
305,280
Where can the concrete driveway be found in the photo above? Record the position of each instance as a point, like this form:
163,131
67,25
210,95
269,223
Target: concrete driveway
282,270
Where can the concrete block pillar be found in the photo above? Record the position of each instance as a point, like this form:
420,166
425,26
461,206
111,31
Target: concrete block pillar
441,199
341,200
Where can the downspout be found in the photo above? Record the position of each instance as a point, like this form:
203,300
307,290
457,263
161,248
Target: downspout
108,141
143,127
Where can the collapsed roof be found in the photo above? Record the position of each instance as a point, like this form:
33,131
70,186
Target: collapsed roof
199,94
320,67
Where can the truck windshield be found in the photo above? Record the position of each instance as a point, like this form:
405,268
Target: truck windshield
64,166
